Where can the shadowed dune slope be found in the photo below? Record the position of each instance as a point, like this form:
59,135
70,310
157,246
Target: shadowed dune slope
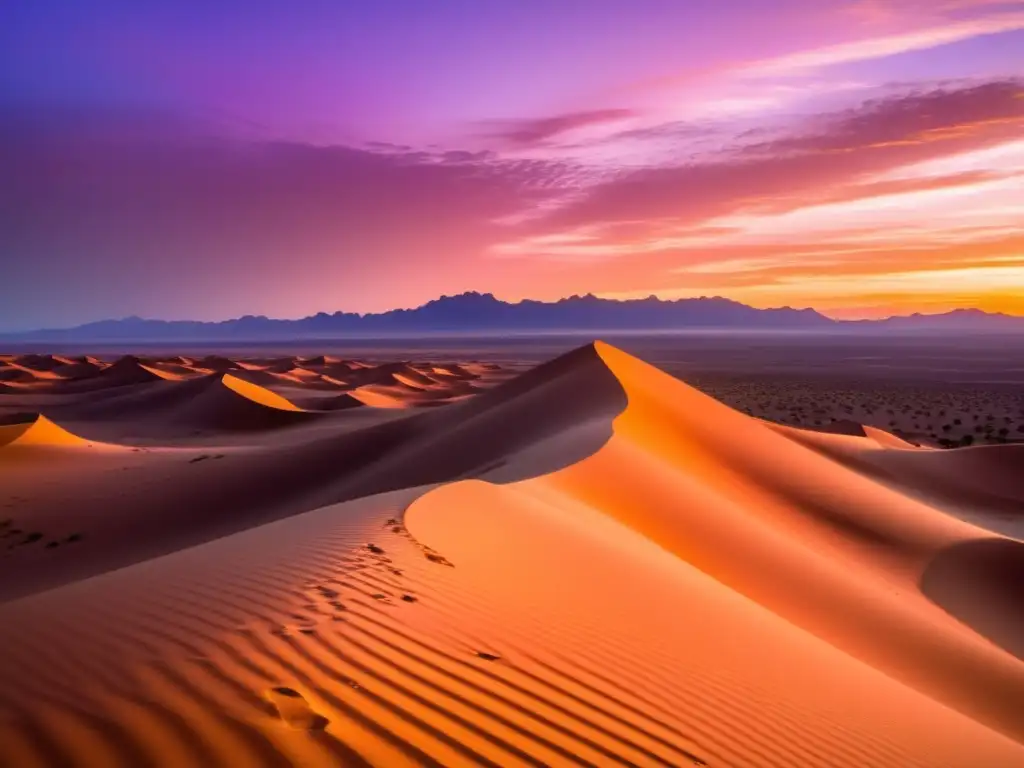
330,402
549,417
16,372
982,484
216,403
979,581
75,370
41,362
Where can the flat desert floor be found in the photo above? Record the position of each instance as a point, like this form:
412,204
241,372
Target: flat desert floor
454,560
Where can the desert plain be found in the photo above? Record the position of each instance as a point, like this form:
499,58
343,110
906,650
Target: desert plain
452,557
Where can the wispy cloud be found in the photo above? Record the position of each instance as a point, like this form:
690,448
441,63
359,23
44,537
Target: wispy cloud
834,150
867,49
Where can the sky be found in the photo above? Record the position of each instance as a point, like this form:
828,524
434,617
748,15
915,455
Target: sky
204,160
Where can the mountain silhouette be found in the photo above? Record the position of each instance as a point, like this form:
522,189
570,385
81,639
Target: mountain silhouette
473,312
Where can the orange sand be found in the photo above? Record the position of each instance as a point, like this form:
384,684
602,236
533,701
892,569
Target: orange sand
590,564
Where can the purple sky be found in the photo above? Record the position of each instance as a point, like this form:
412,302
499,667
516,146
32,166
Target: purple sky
205,160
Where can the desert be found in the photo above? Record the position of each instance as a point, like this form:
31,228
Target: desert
512,384
323,560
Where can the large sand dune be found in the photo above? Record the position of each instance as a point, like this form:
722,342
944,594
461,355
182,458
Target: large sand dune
589,564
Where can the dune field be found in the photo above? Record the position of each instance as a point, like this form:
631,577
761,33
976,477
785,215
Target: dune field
323,561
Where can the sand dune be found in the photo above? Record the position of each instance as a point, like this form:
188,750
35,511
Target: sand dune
212,403
216,363
257,394
454,371
41,362
398,395
127,371
395,381
18,372
590,564
237,486
738,500
331,403
78,370
402,386
36,430
265,378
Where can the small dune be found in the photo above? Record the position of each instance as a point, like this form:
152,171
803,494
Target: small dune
41,362
216,364
334,403
130,370
38,431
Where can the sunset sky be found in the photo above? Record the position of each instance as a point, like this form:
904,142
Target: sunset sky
204,160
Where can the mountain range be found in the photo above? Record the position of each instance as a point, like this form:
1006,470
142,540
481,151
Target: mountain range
473,312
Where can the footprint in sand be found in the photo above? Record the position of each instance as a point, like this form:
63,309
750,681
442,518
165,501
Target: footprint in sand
434,557
294,710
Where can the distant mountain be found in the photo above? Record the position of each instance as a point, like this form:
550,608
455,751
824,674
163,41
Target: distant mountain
483,313
955,320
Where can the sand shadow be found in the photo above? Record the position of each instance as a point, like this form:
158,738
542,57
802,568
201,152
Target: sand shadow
981,583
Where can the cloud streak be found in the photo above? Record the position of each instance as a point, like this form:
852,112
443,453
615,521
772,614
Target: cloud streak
884,46
532,133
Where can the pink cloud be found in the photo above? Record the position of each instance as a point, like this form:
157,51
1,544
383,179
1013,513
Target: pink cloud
528,133
834,150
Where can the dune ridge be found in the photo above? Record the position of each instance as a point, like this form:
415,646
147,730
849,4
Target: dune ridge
589,564
712,485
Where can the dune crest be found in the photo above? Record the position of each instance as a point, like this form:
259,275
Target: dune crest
258,394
